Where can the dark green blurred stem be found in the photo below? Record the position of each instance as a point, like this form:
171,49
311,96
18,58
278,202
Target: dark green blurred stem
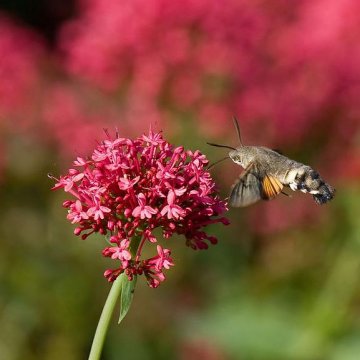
114,295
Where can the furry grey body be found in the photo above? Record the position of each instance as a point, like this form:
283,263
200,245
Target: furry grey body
290,173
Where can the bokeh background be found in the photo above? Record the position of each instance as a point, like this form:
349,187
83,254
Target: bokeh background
283,282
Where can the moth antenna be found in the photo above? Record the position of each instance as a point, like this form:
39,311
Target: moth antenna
223,146
217,162
237,127
106,131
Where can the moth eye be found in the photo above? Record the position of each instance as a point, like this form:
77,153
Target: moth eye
235,158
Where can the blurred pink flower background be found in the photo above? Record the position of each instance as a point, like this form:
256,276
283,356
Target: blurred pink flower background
289,72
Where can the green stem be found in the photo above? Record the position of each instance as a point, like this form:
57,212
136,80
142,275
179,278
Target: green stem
105,317
114,295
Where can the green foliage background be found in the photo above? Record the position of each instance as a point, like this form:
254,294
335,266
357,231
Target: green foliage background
290,295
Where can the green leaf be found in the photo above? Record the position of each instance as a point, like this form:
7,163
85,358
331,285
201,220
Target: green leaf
126,296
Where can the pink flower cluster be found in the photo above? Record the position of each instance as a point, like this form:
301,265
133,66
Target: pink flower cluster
128,188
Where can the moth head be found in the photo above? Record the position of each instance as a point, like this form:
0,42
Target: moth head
236,156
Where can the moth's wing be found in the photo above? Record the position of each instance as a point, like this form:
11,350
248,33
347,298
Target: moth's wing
270,187
254,184
247,190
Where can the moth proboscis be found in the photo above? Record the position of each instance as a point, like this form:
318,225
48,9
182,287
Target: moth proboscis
267,172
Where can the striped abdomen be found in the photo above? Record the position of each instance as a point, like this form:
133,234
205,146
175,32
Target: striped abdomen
307,180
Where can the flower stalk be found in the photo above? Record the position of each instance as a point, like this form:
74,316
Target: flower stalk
122,288
104,321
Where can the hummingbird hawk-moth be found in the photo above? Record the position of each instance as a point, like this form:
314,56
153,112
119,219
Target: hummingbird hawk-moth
267,172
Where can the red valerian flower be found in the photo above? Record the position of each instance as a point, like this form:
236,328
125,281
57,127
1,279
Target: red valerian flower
130,187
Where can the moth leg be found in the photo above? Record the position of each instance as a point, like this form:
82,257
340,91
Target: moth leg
286,194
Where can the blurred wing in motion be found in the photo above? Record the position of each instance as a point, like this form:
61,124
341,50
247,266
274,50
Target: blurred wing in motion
252,186
247,189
